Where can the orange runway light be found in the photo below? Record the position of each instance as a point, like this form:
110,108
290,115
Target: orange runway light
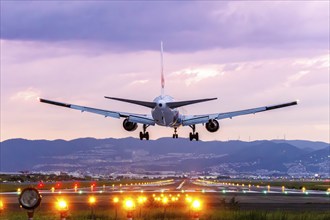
196,205
165,200
92,200
129,204
1,206
62,205
189,199
115,200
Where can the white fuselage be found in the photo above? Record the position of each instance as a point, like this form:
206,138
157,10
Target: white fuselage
163,115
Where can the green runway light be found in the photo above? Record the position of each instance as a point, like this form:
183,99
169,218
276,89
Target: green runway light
223,191
265,192
80,192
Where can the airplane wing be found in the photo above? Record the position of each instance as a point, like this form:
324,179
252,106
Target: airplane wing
199,119
132,117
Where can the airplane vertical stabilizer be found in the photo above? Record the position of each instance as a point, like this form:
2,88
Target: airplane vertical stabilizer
162,69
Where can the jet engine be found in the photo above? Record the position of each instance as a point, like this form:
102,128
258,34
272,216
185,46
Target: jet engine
212,125
129,126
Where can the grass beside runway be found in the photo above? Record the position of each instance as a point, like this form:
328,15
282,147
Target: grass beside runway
321,185
309,185
60,185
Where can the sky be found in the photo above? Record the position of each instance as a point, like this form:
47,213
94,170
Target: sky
247,54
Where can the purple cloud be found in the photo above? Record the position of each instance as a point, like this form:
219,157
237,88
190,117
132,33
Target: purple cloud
184,26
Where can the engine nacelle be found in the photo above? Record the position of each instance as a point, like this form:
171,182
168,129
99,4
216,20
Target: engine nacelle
129,126
212,125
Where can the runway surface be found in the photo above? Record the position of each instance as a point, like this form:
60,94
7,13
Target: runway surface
250,197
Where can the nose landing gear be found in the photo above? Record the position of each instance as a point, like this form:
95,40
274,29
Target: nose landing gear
144,134
175,135
193,135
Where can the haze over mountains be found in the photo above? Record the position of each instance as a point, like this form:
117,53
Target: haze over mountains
105,156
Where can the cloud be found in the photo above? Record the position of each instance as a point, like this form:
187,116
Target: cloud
30,94
141,81
197,74
183,26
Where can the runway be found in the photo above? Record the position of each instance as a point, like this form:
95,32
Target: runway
214,194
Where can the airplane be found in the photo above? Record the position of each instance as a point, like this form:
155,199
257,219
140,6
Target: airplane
164,112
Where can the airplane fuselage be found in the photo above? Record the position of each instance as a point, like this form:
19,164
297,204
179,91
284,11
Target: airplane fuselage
163,115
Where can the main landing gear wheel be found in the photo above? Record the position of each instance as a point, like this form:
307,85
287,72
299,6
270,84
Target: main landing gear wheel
193,135
144,134
175,135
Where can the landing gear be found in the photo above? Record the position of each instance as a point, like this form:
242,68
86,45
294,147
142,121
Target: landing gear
175,135
193,135
144,134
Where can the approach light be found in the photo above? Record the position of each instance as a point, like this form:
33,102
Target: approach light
196,205
141,200
92,200
165,200
62,205
1,206
29,198
189,199
129,204
115,200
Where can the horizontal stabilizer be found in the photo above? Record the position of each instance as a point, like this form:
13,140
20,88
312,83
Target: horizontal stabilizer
143,103
190,102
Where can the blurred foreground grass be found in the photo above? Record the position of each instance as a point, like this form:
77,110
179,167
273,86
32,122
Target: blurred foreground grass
176,214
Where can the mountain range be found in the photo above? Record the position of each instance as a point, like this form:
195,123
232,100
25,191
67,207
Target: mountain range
104,156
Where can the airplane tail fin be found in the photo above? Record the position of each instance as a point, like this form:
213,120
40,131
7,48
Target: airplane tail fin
162,79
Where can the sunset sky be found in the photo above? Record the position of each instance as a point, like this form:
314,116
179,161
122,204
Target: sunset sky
248,54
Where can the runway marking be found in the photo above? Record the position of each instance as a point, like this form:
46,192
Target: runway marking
180,186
